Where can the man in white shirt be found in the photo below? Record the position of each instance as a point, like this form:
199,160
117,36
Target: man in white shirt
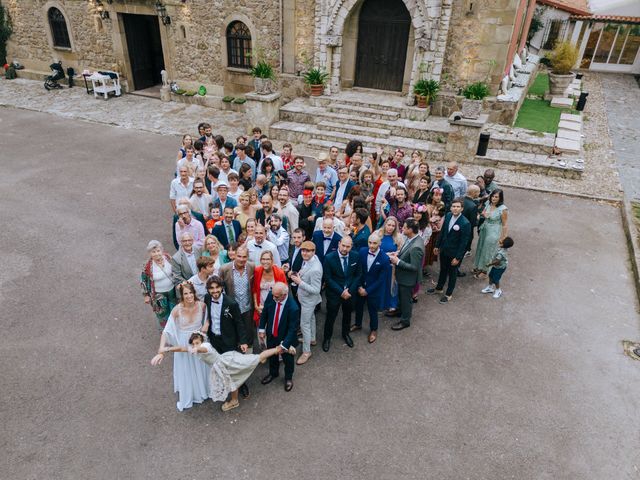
456,179
183,262
392,182
190,161
267,152
225,170
342,187
277,235
287,209
181,186
186,224
329,212
259,244
205,267
200,201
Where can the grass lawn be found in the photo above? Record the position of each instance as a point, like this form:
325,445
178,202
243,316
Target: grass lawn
540,85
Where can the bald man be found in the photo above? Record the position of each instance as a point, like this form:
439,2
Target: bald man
279,324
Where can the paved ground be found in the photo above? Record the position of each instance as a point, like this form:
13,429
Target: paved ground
531,386
622,98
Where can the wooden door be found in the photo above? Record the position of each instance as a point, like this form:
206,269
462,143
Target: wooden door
383,35
145,49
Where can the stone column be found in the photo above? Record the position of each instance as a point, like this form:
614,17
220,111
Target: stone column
462,141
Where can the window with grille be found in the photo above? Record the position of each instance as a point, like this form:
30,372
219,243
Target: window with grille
238,45
555,32
58,26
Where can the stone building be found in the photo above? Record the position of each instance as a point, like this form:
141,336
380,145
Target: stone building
375,44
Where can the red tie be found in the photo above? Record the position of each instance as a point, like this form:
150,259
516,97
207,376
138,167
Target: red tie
276,321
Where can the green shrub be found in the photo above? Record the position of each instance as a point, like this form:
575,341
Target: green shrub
476,91
181,91
228,99
240,101
315,76
427,88
263,69
563,58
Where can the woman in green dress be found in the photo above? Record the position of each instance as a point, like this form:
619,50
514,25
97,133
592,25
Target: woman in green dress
493,229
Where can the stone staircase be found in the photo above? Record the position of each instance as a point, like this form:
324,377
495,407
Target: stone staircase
315,124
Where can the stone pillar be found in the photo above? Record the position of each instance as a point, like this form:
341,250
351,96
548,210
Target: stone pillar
262,110
462,141
165,94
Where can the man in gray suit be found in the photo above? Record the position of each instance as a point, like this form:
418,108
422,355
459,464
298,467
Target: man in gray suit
309,282
408,262
183,262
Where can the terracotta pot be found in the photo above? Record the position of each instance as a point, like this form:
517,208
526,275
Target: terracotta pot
559,83
423,102
317,90
471,108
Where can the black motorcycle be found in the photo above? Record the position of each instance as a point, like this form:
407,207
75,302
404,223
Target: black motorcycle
57,73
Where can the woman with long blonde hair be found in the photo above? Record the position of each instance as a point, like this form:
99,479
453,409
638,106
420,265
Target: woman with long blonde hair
391,241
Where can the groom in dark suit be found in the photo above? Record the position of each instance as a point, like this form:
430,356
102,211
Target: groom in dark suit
279,324
451,247
223,322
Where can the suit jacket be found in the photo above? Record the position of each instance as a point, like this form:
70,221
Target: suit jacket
309,289
288,324
447,194
350,184
453,243
361,239
409,268
261,218
295,263
374,280
231,324
180,265
220,232
257,153
335,276
226,273
197,215
318,239
230,202
470,211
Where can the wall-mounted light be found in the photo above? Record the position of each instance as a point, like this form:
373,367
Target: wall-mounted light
104,14
162,13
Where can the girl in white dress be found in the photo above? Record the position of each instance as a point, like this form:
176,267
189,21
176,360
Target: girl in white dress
190,373
228,370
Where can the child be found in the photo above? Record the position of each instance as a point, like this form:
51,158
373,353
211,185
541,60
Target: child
214,218
498,266
319,198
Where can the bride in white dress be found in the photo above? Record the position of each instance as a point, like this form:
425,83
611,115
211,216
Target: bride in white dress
191,376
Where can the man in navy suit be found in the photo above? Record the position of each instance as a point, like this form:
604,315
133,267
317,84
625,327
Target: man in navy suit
326,240
342,276
451,247
228,230
279,324
375,267
342,187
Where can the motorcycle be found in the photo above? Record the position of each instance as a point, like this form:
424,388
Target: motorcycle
57,73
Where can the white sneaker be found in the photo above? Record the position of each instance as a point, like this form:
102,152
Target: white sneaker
497,293
488,289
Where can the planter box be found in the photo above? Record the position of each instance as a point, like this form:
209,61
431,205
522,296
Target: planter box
471,108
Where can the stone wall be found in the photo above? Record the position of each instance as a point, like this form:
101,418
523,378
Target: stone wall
480,32
499,112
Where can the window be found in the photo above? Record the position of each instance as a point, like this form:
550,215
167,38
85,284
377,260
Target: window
58,26
238,45
555,31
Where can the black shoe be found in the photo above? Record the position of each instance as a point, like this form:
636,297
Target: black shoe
392,313
317,309
461,274
326,345
348,340
268,379
445,299
244,391
288,385
414,300
399,326
432,291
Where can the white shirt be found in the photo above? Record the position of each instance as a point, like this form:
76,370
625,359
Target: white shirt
327,244
224,176
280,238
453,221
178,190
338,225
342,187
216,310
162,280
235,195
256,250
200,286
278,164
292,214
200,204
191,260
382,191
195,163
458,183
371,258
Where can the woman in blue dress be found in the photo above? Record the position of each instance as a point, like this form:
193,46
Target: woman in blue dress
492,230
392,241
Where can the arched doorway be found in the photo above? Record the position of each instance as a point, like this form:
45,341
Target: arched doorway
383,36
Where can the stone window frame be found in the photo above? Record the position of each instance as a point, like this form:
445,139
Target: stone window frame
237,17
45,11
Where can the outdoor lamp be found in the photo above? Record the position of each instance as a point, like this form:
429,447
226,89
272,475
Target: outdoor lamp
162,13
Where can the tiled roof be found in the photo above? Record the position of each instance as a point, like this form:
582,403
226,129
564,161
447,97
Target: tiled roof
577,7
607,18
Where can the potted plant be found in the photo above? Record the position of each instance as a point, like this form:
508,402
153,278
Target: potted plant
562,59
316,79
473,96
263,77
426,91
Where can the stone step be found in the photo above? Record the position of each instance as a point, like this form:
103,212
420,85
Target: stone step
356,101
567,125
300,132
363,111
356,130
434,129
315,145
562,102
571,117
568,145
530,162
520,140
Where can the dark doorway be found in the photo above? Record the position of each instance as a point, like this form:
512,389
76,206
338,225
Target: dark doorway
383,35
145,49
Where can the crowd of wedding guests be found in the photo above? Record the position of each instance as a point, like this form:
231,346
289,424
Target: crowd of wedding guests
260,239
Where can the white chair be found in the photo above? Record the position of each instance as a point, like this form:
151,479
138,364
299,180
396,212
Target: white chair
105,83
